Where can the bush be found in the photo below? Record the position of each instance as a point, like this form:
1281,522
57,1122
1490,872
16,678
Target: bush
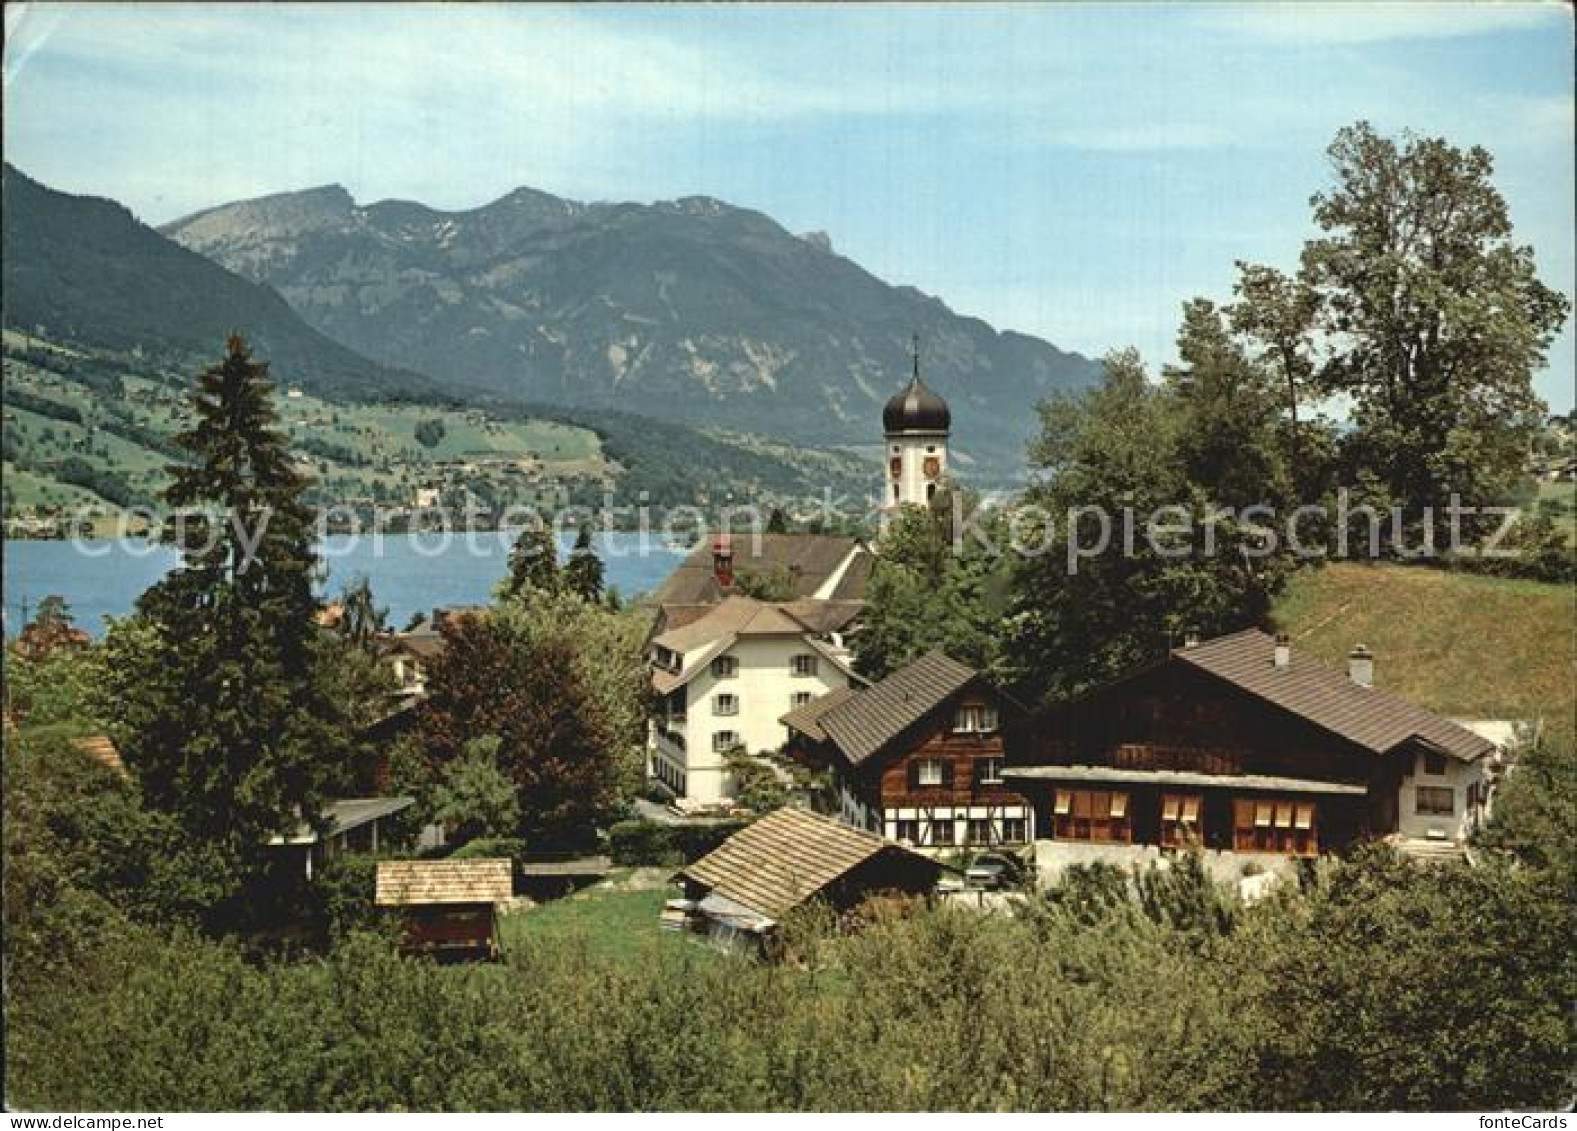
490,848
649,842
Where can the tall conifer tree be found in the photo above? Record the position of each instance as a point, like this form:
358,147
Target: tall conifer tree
232,731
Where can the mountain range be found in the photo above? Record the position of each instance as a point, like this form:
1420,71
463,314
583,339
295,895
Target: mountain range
692,310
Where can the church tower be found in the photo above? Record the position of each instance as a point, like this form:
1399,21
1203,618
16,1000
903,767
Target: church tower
916,423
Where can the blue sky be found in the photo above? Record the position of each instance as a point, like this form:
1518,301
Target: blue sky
1073,171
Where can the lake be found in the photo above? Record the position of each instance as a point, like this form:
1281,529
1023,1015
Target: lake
408,575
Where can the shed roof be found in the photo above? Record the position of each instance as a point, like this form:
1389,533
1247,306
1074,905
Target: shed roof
407,883
345,814
1376,720
862,724
784,859
103,751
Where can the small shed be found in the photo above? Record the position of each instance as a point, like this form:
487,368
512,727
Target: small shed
350,824
742,890
448,908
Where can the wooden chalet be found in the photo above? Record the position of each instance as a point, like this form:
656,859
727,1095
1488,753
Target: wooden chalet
742,889
1241,745
918,757
448,908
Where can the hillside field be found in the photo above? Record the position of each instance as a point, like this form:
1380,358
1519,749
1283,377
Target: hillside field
1463,645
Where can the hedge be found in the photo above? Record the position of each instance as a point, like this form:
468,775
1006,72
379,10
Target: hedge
649,842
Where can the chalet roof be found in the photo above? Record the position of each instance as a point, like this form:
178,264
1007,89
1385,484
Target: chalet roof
784,859
723,624
807,718
345,814
811,559
825,616
862,724
1376,720
736,616
103,751
407,883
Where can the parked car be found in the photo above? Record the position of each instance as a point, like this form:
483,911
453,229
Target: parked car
994,871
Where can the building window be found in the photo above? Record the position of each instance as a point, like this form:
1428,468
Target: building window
989,770
975,718
1091,814
799,698
930,490
1015,830
895,492
1274,824
725,704
908,831
1436,801
1179,819
724,740
930,771
725,667
942,831
1435,765
803,665
978,831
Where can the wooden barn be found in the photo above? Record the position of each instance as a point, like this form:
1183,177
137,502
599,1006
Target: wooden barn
448,908
1241,745
742,889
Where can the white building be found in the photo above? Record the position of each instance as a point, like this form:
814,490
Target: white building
727,677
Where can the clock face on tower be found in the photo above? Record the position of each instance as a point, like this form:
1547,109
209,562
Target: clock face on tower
932,467
895,467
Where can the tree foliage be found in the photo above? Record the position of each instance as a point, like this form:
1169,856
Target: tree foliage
1438,318
220,711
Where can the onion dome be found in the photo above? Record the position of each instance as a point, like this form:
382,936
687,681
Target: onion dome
917,408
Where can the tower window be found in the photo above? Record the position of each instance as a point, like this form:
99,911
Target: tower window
930,490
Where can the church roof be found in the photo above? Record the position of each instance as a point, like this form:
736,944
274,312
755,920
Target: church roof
916,409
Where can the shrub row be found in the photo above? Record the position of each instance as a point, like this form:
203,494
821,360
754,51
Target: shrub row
648,842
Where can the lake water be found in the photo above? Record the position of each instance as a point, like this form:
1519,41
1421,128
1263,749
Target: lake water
408,575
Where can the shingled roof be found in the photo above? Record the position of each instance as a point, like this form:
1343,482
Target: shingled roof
103,751
725,623
406,883
862,724
784,859
810,559
806,718
1326,696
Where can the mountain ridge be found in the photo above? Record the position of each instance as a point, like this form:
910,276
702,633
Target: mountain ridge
693,310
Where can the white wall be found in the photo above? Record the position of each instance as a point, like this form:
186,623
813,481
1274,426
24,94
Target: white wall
764,686
912,451
1457,777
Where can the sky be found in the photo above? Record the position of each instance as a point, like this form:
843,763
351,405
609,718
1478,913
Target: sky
1068,170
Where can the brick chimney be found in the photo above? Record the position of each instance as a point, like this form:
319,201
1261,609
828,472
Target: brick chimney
723,560
1283,653
1360,666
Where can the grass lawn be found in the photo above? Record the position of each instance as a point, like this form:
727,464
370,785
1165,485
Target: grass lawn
618,926
1465,646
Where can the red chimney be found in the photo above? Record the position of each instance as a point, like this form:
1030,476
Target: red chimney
723,560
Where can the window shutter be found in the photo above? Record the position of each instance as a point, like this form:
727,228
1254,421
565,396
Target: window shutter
914,773
947,773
